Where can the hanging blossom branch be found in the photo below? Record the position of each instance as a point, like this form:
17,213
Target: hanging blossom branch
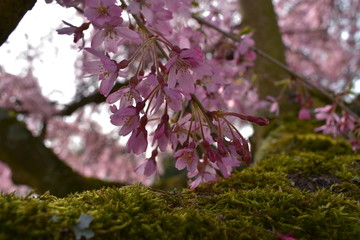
177,91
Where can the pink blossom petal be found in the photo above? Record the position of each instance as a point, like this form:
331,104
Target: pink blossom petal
66,30
107,84
150,167
97,39
128,34
186,81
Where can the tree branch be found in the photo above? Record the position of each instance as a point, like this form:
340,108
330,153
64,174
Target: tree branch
72,107
37,166
308,84
95,97
11,12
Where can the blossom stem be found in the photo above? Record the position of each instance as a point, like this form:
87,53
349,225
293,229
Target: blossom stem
151,95
204,112
230,125
146,30
144,45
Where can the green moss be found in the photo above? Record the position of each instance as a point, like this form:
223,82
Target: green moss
288,134
310,191
137,212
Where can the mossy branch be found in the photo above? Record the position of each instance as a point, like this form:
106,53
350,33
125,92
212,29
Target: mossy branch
37,166
306,184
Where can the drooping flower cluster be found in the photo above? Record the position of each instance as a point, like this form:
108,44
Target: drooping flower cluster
183,86
169,84
336,124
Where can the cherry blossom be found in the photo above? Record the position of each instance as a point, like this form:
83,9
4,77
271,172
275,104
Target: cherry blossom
101,11
148,167
137,142
112,34
187,157
77,31
178,69
106,68
304,114
332,119
202,174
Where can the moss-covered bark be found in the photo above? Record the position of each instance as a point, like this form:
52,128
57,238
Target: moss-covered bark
35,165
305,184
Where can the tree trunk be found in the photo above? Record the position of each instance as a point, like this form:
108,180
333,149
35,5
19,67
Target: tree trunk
260,16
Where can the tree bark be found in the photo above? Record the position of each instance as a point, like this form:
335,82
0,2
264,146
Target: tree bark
37,166
260,16
11,12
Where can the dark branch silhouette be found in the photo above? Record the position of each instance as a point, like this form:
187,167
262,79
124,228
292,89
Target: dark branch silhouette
11,13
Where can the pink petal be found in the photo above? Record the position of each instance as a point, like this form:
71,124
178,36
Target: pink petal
98,39
128,34
107,84
150,167
186,81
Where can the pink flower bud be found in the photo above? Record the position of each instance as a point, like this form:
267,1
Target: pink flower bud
304,114
261,121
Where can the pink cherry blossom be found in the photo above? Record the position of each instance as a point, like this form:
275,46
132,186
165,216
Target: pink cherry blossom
148,167
178,68
127,117
226,164
112,34
304,114
106,68
77,31
332,120
127,96
274,105
163,135
101,11
137,142
187,157
173,98
202,174
155,13
347,122
211,153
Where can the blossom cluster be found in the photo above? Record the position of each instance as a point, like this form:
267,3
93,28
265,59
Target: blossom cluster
174,94
339,121
336,124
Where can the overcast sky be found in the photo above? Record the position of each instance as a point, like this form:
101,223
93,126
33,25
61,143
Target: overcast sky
54,67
